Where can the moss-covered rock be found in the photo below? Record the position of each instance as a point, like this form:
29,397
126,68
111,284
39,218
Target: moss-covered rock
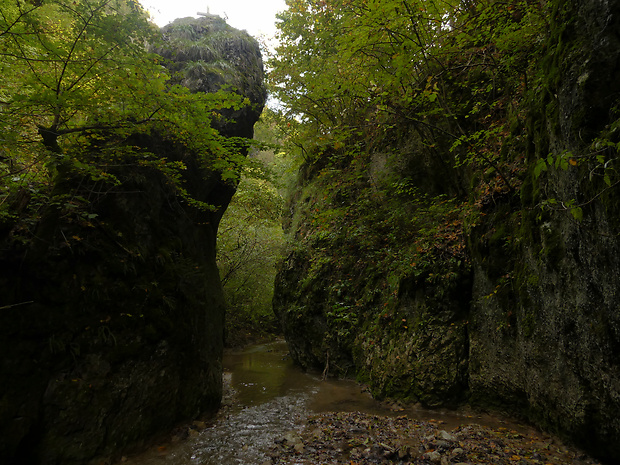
524,317
114,321
376,284
553,359
208,55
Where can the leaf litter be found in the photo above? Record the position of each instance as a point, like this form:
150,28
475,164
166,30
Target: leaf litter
356,438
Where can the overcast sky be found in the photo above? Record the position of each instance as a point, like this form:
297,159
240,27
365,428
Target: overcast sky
255,16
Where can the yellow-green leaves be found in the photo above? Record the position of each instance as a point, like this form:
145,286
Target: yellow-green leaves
77,64
79,85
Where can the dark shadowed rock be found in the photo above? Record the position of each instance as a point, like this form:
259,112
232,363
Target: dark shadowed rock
118,331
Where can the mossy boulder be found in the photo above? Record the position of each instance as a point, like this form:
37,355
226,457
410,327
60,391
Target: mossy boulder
208,55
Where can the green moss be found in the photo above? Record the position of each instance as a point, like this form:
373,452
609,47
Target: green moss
499,235
528,324
528,192
200,52
553,248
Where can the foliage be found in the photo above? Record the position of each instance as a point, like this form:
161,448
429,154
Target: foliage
411,120
338,60
251,240
78,85
600,161
455,71
249,243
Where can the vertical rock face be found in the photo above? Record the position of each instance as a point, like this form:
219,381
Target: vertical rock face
366,291
533,326
549,342
118,329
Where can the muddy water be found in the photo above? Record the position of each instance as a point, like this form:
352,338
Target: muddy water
266,397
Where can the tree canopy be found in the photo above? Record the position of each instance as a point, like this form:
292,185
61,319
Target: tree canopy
78,79
344,66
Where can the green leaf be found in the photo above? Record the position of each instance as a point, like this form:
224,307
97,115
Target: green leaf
540,166
577,213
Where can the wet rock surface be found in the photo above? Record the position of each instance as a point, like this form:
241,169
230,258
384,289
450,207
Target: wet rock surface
356,438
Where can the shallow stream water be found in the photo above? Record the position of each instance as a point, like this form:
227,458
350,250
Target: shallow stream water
266,397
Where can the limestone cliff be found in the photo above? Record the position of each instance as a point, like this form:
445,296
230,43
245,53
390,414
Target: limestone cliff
115,328
547,342
496,285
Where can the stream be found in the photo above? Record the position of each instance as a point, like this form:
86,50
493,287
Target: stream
267,397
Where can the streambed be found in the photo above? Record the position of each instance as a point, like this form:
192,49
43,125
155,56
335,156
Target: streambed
265,419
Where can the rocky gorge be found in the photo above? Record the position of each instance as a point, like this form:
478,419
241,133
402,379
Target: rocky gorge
453,241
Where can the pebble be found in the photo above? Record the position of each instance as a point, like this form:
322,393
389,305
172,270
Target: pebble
292,437
443,434
441,444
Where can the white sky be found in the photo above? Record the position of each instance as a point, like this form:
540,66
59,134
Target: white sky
255,16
